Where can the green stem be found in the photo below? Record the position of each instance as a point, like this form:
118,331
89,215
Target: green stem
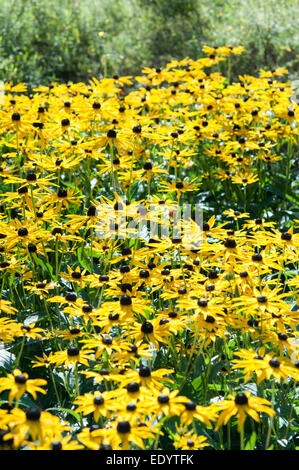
20,353
54,385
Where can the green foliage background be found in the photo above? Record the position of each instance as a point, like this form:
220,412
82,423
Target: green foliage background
57,40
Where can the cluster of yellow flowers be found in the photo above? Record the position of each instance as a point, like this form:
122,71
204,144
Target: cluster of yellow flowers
136,336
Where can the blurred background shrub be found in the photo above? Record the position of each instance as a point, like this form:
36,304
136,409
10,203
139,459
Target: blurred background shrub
73,40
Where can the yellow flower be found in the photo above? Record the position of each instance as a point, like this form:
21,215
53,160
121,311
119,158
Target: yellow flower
97,403
71,356
18,383
190,441
242,404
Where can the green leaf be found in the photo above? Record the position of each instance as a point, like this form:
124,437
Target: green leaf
66,410
83,260
251,443
46,266
198,382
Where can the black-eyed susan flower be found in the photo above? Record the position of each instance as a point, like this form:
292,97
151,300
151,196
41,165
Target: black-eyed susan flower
97,403
32,423
71,356
204,414
123,433
19,383
241,405
190,441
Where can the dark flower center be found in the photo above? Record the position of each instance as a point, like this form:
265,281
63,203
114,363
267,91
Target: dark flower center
57,231
210,319
257,257
147,327
98,401
151,265
33,414
163,399
243,274
96,105
282,336
65,122
125,300
31,177
124,268
71,297
137,129
241,399
144,274
62,193
210,287
230,243
133,348
75,331
287,236
23,190
213,275
107,340
126,252
111,134
20,379
147,166
131,407
123,427
172,314
56,445
16,117
40,285
32,248
23,232
144,371
253,323
73,352
165,272
202,303
190,405
91,211
87,308
262,299
76,275
133,387
113,316
274,363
